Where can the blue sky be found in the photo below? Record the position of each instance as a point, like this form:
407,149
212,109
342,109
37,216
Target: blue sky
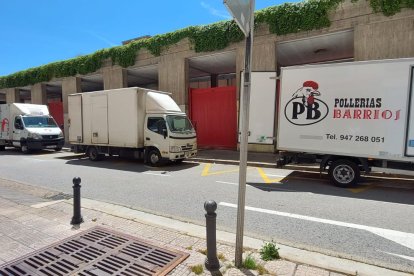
37,32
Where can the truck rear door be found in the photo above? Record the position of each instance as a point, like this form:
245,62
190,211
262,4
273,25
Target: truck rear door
99,119
409,148
75,118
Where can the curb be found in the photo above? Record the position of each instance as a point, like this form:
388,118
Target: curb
287,252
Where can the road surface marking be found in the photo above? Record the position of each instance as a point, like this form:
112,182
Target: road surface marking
402,238
267,180
229,183
362,188
206,171
157,174
398,255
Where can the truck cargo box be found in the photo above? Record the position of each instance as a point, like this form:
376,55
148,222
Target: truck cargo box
359,109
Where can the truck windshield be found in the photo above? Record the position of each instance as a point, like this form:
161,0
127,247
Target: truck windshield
179,124
39,121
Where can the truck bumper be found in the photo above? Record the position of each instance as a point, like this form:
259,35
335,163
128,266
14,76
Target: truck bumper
182,155
33,144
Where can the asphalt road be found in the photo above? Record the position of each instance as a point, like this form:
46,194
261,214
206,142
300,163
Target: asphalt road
373,223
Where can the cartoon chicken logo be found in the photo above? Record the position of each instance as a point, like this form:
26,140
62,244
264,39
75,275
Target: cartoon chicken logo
307,92
5,125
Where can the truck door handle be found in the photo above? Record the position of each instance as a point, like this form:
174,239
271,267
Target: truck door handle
147,139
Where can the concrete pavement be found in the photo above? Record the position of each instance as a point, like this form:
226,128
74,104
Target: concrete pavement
32,218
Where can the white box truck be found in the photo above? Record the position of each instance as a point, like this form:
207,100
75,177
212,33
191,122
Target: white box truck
134,121
29,127
351,116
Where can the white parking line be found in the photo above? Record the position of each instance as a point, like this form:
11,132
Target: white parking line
228,183
157,174
401,256
402,238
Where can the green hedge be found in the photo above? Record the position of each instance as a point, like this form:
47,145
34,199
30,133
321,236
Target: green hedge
282,19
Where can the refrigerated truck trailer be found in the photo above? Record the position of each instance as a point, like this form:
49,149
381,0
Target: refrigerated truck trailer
351,117
29,127
134,121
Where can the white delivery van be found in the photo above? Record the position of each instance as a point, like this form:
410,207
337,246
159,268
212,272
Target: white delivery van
135,122
29,127
352,117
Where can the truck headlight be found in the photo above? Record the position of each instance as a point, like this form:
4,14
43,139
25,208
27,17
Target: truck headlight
175,149
34,136
61,134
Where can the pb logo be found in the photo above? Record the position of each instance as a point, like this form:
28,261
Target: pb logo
304,108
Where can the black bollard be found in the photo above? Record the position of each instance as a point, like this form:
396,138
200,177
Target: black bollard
77,217
212,262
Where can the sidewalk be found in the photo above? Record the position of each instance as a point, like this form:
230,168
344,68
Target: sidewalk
33,218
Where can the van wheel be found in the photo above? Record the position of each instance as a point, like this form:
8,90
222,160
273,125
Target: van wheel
344,173
25,149
94,155
154,157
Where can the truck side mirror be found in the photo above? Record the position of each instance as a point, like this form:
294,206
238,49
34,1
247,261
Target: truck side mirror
18,125
165,132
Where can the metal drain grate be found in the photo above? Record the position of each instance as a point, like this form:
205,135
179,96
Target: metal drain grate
97,251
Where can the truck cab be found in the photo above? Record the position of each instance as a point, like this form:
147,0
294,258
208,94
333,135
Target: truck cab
169,136
29,127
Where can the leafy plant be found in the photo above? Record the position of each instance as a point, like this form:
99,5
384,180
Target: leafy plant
282,19
261,269
269,251
202,251
221,257
197,269
249,263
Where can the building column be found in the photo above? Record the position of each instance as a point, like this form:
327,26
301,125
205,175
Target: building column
12,95
38,94
384,40
173,78
264,56
214,80
114,77
70,85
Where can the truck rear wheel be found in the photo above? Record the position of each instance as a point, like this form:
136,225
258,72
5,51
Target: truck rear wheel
154,157
25,149
344,173
94,155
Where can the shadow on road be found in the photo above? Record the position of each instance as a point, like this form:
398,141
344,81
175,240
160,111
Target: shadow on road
126,164
370,188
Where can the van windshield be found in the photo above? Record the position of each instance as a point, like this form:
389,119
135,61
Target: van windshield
39,121
179,124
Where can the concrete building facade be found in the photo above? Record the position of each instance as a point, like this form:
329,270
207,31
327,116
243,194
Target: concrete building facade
356,33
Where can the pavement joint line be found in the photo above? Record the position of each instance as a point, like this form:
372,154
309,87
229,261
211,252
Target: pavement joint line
287,252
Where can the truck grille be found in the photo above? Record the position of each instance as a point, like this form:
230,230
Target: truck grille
187,147
50,136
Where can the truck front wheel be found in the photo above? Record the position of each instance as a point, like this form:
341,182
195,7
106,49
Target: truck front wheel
154,157
344,173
